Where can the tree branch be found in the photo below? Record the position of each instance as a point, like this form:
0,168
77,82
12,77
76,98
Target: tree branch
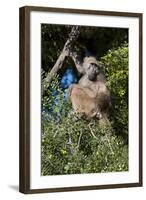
65,52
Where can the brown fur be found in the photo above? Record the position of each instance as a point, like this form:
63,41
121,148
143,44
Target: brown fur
91,98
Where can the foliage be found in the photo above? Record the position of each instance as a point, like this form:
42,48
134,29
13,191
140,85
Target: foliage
74,145
116,70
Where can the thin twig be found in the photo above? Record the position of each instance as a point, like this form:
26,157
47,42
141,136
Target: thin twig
92,132
79,140
50,162
55,133
109,144
70,144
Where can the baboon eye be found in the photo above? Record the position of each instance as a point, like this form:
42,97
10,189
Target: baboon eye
94,64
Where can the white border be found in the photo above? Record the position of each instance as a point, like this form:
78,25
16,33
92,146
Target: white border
132,176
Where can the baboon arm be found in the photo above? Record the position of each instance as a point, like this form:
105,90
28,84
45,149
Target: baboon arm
78,62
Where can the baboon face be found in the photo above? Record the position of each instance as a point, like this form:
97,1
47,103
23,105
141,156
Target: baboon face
91,67
92,71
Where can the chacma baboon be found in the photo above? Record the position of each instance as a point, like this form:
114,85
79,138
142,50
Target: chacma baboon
91,96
